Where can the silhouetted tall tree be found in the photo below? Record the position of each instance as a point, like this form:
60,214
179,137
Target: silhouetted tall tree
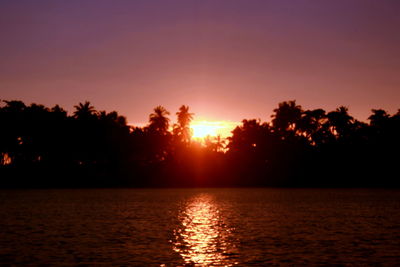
312,126
182,128
379,118
215,144
286,117
84,111
340,122
159,122
158,137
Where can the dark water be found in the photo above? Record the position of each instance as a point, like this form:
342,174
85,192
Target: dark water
201,227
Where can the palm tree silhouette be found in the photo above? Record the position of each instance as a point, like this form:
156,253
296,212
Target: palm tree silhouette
84,111
340,121
311,122
286,116
219,143
379,117
159,122
182,129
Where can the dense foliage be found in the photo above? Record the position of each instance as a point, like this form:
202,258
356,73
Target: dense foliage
46,147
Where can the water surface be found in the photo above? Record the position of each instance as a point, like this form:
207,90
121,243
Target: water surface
200,227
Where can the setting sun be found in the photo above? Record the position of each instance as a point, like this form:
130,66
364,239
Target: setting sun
202,129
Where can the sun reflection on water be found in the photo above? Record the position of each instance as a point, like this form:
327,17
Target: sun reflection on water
203,238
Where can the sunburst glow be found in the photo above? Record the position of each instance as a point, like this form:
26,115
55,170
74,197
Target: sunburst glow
202,129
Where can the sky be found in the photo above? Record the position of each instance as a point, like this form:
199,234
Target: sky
227,59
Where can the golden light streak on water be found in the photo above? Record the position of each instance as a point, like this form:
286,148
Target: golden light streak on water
203,237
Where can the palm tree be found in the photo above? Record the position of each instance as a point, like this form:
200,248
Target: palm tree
340,121
219,143
379,117
286,116
311,122
84,111
182,129
159,122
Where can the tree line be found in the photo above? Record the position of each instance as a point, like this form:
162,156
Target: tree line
46,147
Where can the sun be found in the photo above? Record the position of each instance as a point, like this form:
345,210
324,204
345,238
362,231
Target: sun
203,128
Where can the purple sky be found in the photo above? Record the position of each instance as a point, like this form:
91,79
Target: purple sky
226,59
